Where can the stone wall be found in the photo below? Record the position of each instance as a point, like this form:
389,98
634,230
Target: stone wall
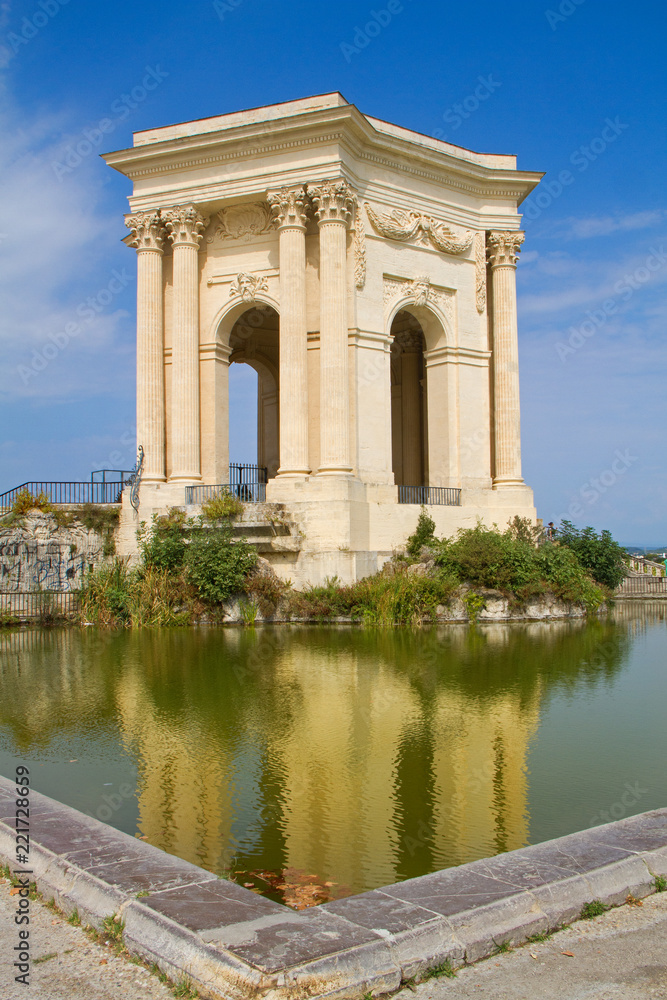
36,553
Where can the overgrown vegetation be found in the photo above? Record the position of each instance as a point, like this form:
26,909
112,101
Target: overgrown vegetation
599,554
593,909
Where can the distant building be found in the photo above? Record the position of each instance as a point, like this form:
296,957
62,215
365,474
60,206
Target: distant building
367,273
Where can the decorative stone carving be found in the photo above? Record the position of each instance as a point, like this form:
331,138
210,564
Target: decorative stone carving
504,248
248,285
333,201
242,222
421,292
406,226
288,207
148,232
359,247
185,225
480,272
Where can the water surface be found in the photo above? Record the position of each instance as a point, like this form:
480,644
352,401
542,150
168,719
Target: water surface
317,755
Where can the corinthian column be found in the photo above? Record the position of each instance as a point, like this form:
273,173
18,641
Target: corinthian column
503,250
147,238
333,202
185,226
288,207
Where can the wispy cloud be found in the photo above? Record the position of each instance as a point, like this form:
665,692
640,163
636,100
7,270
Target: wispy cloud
589,227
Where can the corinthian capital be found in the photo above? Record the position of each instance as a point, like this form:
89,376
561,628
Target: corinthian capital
147,230
504,248
288,207
333,201
185,225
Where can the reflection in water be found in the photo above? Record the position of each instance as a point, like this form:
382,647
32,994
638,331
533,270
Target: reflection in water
358,757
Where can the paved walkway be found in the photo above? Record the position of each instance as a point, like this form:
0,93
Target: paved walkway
78,969
621,955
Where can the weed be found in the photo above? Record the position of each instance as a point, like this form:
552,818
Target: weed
593,909
223,506
142,894
114,927
25,501
45,958
660,883
437,971
423,535
474,604
184,989
536,938
7,620
502,949
248,611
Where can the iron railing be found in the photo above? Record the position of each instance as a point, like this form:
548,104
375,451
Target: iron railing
68,493
38,604
430,495
247,492
642,586
119,475
241,474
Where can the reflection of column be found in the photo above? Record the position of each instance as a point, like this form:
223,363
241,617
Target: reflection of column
147,237
504,248
185,225
289,212
411,406
333,202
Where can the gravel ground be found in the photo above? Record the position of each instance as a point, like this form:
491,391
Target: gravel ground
77,969
621,955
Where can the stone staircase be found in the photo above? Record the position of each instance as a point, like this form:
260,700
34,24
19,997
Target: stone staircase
269,528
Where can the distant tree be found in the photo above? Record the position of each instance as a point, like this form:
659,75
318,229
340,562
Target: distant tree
603,557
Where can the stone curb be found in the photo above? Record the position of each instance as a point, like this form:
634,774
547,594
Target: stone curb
232,943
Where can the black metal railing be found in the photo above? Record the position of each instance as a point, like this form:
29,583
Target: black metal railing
430,495
247,492
68,493
242,475
112,475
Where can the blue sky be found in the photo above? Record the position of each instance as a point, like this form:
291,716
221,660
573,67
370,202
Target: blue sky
575,89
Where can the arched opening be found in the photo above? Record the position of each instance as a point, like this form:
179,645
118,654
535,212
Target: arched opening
254,341
408,402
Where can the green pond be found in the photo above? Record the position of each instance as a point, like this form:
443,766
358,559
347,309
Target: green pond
314,762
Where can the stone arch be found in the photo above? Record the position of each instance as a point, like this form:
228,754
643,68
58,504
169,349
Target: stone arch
434,322
408,400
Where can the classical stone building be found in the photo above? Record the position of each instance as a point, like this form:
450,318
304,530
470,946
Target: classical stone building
367,274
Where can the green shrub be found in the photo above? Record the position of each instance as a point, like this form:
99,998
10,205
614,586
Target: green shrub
25,501
217,566
423,535
164,545
599,554
222,506
265,588
117,596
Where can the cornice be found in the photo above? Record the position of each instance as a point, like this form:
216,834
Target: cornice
344,125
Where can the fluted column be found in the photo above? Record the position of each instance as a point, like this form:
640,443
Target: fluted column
288,207
503,251
185,225
147,238
333,203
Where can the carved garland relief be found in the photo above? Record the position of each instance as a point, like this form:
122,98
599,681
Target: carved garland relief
405,226
242,222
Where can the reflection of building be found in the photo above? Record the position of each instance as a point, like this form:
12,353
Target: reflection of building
367,273
362,779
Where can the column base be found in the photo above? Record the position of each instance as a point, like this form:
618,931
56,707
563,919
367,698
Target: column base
292,473
185,480
509,484
339,471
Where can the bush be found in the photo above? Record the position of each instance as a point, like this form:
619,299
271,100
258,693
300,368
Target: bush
216,565
163,547
599,554
115,595
221,507
265,588
424,534
25,501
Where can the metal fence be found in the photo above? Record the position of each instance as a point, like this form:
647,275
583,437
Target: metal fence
68,493
247,492
43,604
250,475
430,495
642,586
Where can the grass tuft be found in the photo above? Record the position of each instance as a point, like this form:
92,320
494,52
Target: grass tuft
593,909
